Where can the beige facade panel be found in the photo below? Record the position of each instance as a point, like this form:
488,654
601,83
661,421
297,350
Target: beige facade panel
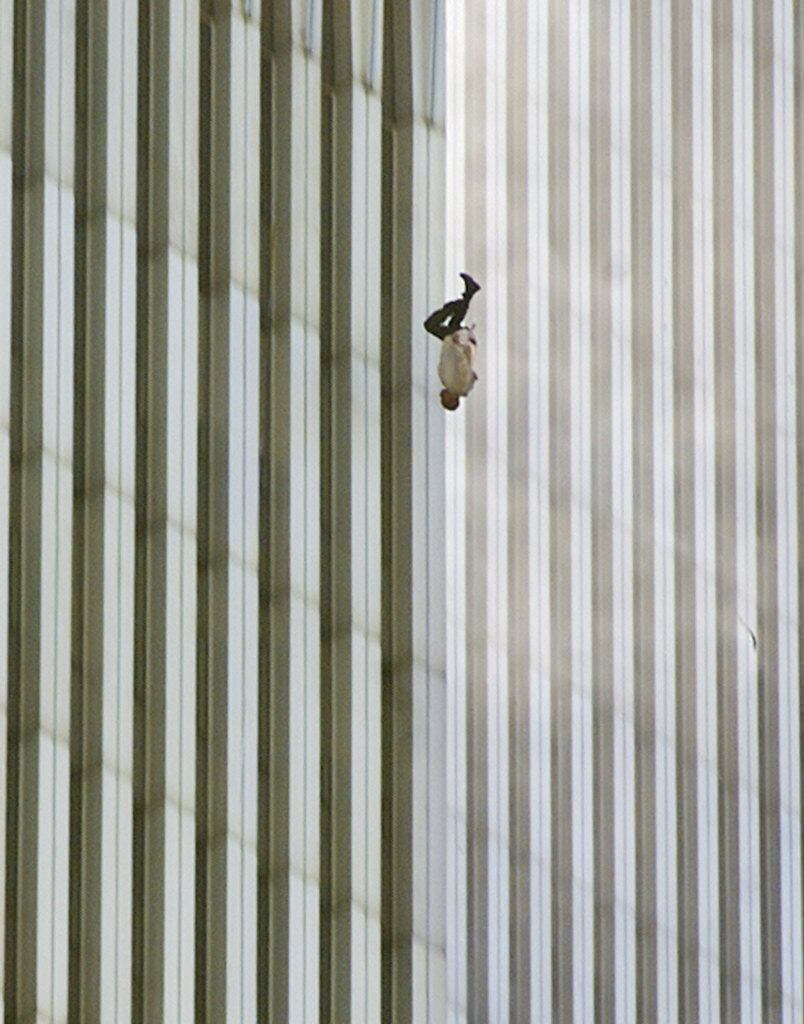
646,863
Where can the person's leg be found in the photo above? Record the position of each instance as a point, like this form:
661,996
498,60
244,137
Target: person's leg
470,286
460,307
455,310
435,323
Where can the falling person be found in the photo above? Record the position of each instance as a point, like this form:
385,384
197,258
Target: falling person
459,345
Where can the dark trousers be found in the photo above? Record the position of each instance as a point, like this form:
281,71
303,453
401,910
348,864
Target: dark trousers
448,319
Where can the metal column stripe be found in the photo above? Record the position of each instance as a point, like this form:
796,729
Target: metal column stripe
798,192
87,697
289,741
151,517
414,680
643,155
766,426
25,512
493,364
539,616
729,631
6,107
687,850
788,488
350,452
477,723
212,924
519,317
606,576
560,535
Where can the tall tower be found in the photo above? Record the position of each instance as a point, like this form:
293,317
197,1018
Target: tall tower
623,599
222,674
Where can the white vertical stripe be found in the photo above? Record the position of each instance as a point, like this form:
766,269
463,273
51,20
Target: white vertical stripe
181,546
368,594
118,582
581,523
455,539
745,487
180,631
787,520
57,484
303,542
365,547
56,550
119,517
495,372
704,501
539,513
624,824
664,512
180,612
241,851
243,517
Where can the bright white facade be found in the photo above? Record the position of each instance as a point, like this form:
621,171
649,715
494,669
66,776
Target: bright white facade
624,507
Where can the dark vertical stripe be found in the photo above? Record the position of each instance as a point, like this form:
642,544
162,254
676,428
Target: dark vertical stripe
212,610
725,513
89,470
412,623
267,235
291,93
684,501
767,498
642,158
330,431
153,183
603,588
519,342
397,501
395,914
389,177
560,503
476,529
336,501
25,512
273,798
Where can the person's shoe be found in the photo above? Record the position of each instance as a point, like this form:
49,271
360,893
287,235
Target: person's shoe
470,285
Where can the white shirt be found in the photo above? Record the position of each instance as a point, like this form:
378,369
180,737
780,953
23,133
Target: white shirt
456,365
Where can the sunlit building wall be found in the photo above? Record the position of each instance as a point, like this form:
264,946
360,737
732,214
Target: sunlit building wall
624,507
222,674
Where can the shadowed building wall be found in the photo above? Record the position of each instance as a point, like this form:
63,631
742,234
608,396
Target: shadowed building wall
222,680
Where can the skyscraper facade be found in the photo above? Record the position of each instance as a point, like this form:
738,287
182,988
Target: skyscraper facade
222,677
318,703
624,506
